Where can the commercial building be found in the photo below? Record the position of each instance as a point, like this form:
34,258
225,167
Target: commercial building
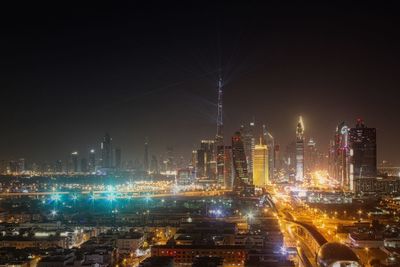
224,166
247,132
239,161
362,152
300,151
106,152
260,165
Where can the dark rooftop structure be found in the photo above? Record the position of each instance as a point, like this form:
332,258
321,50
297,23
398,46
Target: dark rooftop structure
331,253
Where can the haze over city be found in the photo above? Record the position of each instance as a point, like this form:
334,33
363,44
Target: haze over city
136,71
199,134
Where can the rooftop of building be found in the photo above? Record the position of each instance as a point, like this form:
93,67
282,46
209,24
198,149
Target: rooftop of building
174,246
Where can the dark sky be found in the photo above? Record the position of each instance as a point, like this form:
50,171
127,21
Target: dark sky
71,73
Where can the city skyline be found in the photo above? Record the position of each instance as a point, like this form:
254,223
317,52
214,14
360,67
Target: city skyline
222,134
84,88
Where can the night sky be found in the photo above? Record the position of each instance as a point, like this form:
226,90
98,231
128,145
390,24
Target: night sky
71,73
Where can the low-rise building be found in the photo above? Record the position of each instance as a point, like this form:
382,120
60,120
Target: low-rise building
128,243
231,254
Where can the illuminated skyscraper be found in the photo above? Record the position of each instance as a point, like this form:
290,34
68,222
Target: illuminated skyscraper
74,162
200,163
362,142
239,161
146,156
311,156
154,165
219,138
300,150
247,133
269,141
92,161
224,166
210,164
106,152
260,165
339,156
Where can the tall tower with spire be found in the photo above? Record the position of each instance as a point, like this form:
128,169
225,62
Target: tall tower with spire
300,150
219,138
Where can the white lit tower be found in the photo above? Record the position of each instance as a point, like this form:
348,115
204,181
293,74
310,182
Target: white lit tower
219,138
219,151
300,150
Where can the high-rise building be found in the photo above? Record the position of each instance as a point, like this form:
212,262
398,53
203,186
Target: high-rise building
362,141
224,166
58,166
200,163
247,133
219,138
269,141
208,146
260,165
118,158
146,165
92,161
311,156
277,159
241,177
74,162
300,150
154,165
84,165
106,152
21,165
339,156
193,161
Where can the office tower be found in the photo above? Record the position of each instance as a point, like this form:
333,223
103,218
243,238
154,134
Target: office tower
74,162
269,141
154,165
146,165
241,178
169,162
339,156
92,161
201,163
311,156
260,165
118,158
362,142
58,166
220,164
290,160
21,165
277,159
84,165
224,166
300,151
219,138
247,133
193,161
208,146
228,168
106,152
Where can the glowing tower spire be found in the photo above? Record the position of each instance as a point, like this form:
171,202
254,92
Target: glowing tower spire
219,138
300,150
